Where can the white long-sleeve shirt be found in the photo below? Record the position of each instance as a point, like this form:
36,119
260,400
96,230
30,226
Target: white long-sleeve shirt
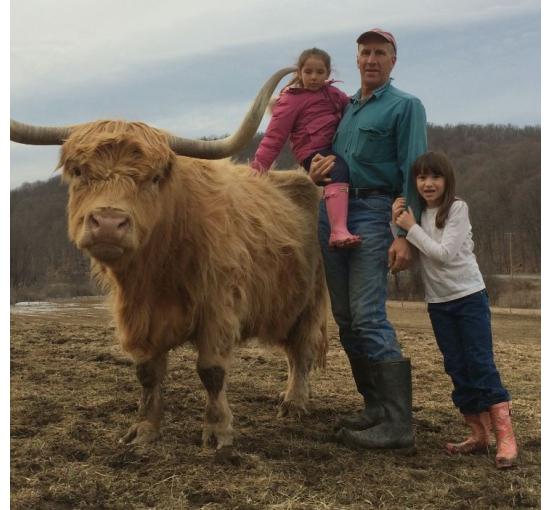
448,265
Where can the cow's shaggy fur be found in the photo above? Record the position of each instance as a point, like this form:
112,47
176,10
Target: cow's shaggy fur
199,251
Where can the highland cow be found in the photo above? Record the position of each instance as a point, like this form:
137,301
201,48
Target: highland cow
196,251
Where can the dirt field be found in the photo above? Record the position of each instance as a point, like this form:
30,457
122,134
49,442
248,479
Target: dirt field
73,394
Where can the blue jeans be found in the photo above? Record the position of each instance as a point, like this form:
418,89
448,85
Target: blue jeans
462,329
357,280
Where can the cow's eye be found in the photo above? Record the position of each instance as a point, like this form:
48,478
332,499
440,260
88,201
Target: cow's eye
76,172
156,179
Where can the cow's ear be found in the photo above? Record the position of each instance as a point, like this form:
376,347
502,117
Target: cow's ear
169,165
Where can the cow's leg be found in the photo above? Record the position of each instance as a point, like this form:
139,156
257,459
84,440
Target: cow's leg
300,359
150,374
306,347
213,369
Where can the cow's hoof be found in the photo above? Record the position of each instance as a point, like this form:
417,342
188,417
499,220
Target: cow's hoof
292,409
228,455
143,432
215,438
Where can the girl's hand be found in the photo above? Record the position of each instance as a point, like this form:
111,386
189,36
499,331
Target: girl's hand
397,208
320,168
406,219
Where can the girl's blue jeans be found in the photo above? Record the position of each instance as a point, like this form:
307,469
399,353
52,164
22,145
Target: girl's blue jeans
357,280
462,329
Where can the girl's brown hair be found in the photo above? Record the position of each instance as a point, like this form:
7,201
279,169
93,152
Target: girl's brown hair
437,163
311,52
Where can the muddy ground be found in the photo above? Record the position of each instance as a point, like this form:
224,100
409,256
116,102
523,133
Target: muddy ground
73,394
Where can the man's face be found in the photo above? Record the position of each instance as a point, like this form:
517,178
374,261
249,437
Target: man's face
375,60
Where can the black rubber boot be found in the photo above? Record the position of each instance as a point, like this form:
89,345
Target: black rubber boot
373,413
393,382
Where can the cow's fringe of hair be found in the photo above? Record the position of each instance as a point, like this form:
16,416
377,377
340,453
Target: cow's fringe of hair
236,253
107,142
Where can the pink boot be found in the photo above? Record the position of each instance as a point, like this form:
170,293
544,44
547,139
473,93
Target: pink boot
507,448
480,425
336,200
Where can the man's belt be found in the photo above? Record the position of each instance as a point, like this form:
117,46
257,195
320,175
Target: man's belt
368,192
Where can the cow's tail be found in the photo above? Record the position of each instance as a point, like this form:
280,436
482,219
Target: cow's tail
321,360
322,345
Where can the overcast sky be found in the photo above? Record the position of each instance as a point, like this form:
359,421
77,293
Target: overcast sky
193,67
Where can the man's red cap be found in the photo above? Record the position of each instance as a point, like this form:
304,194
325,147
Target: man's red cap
386,35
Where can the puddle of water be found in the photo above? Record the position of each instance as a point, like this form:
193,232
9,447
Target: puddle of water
39,307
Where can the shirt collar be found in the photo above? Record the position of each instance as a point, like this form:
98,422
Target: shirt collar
378,92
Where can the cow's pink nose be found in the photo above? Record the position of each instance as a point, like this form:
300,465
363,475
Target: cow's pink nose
108,224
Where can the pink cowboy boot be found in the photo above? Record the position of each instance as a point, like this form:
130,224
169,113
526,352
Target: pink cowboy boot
480,425
507,448
336,200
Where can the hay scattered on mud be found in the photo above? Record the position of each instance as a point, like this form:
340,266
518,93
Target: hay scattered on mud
73,394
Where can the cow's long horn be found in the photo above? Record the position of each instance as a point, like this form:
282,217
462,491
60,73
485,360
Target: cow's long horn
206,149
38,135
216,149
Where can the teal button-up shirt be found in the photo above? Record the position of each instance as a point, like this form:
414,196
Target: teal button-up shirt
379,138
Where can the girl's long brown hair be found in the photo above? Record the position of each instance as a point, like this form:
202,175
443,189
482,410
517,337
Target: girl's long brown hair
311,52
437,163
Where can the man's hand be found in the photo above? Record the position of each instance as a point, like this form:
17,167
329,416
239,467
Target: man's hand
320,168
400,255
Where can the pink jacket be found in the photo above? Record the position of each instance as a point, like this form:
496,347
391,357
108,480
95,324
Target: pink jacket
309,117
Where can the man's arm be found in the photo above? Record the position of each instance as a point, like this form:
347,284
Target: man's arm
411,143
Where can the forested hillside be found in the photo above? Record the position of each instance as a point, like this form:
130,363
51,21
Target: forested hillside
498,174
43,263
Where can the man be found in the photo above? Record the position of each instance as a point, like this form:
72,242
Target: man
382,132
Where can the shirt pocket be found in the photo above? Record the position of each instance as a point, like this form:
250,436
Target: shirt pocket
375,145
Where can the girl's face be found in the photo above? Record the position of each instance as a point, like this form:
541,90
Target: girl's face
313,73
431,188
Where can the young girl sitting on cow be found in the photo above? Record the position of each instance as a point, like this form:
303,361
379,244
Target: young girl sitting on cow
458,306
308,111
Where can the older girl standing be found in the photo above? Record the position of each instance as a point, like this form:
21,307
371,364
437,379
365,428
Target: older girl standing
458,306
